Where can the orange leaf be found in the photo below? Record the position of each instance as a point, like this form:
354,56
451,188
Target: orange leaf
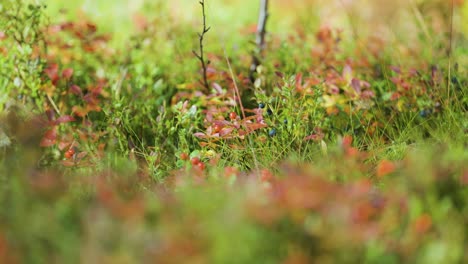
255,126
422,224
79,111
385,167
347,141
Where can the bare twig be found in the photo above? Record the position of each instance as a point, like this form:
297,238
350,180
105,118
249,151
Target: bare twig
51,101
449,78
260,37
200,56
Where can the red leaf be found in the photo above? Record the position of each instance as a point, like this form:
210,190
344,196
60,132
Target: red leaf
299,82
50,114
367,94
75,89
225,131
67,73
52,72
49,138
200,135
385,167
217,87
63,144
316,136
395,69
395,96
347,141
356,84
64,119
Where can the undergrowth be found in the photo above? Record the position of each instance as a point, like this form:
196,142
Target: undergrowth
349,144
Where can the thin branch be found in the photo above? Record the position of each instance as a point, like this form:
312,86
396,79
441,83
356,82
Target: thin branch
449,81
51,101
260,37
201,56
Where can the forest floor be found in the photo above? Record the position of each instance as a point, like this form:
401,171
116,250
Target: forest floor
347,144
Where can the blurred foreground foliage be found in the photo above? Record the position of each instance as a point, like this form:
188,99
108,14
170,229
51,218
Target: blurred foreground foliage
349,146
409,211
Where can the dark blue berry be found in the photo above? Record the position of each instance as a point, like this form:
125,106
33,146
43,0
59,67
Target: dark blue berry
269,112
285,121
272,132
425,112
261,105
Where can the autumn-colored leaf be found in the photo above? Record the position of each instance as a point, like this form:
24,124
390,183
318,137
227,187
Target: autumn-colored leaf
299,82
92,28
316,136
52,72
75,89
464,178
50,115
249,29
80,111
347,73
226,131
352,152
217,87
422,224
255,126
356,85
346,141
67,73
64,119
385,167
362,212
200,135
49,138
140,22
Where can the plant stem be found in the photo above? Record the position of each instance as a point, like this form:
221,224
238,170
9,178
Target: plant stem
449,77
260,37
200,56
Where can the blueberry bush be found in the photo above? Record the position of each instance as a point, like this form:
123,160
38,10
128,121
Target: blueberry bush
122,140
